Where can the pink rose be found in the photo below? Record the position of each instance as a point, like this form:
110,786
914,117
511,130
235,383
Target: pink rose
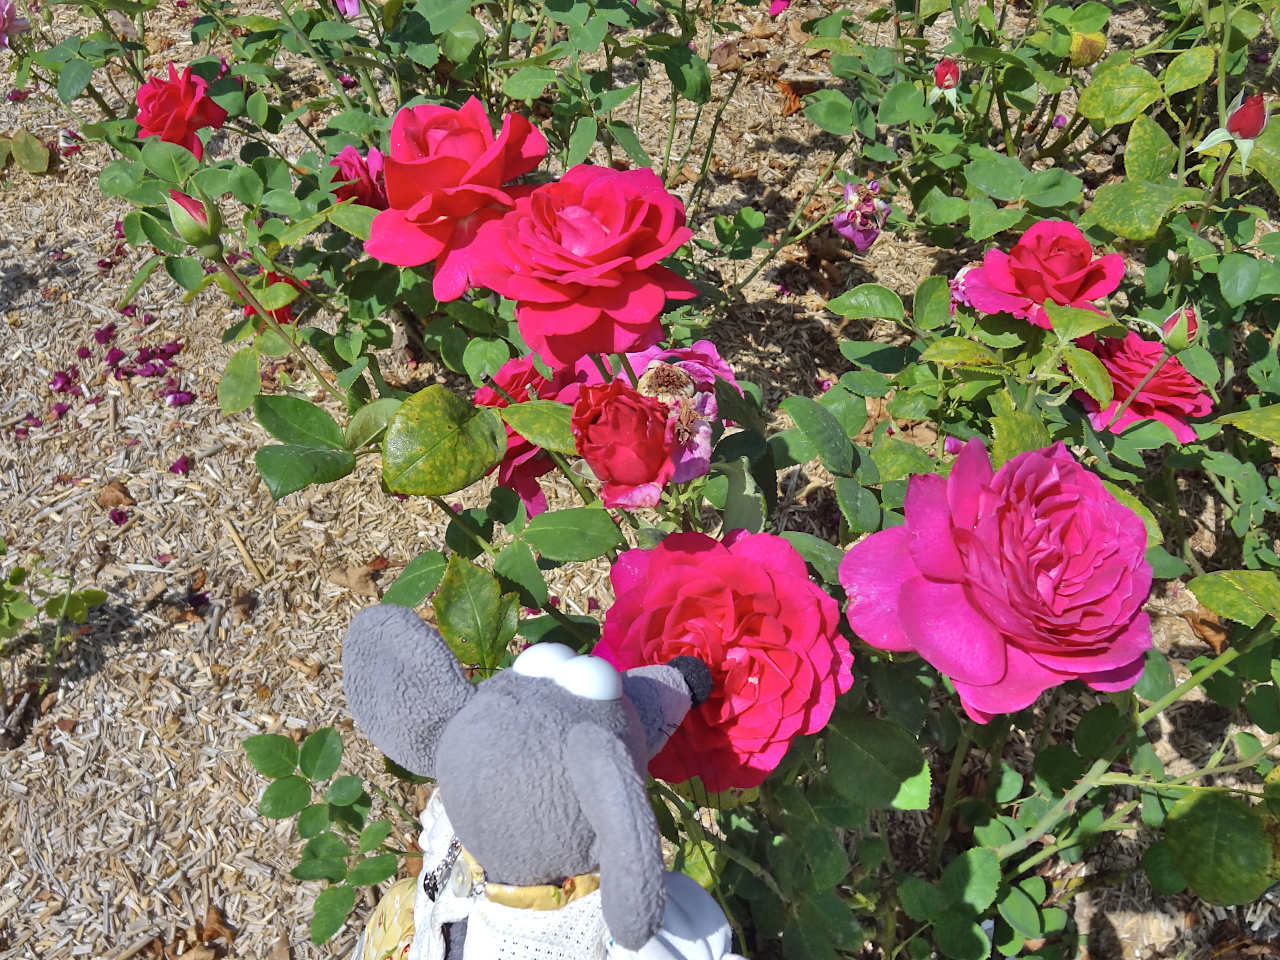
11,25
580,257
445,177
1008,583
1173,396
1052,261
177,109
747,608
524,463
627,440
360,178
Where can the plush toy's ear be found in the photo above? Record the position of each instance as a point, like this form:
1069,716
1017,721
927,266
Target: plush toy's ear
403,684
612,795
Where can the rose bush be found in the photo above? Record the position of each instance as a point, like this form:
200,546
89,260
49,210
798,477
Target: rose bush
746,606
1051,262
447,175
1008,582
580,258
627,440
1173,396
177,109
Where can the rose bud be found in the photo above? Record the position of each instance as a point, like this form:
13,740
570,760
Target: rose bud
1248,119
946,74
1181,328
198,222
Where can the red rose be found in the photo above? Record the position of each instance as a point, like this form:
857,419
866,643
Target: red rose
524,463
627,441
580,257
360,177
281,314
747,608
946,74
175,110
1172,396
1052,261
445,174
1248,119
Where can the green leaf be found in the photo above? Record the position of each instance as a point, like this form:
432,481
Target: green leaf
824,557
313,820
284,797
345,791
1054,187
1238,276
581,140
1072,323
956,351
1015,431
972,879
544,423
830,110
314,868
1221,845
517,565
527,83
1242,595
1119,95
1135,210
73,78
877,763
373,870
688,72
168,161
575,534
355,219
186,271
859,505
296,421
289,469
995,175
960,937
331,910
326,845
370,421
902,103
240,382
921,900
1149,154
272,755
372,836
986,220
1090,373
29,153
823,430
626,138
1162,870
1262,422
438,443
896,459
868,301
320,754
1188,69
472,612
419,577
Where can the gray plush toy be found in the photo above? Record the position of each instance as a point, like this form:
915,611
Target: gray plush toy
549,847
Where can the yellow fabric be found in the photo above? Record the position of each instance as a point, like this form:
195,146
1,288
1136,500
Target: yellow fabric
544,896
389,934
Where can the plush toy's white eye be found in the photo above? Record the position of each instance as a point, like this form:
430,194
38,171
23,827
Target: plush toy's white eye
542,659
590,678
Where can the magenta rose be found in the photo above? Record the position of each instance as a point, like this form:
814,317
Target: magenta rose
580,257
1009,582
1051,262
1173,396
446,175
360,178
177,109
747,608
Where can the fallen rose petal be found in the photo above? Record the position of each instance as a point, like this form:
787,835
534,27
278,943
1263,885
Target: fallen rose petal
118,516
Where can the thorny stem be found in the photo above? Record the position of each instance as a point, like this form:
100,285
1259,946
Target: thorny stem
786,237
1091,779
1133,394
949,796
266,316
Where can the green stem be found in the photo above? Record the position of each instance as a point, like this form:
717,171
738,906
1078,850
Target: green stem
671,136
940,829
699,188
1133,394
265,316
